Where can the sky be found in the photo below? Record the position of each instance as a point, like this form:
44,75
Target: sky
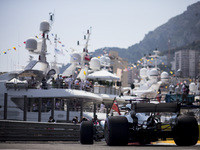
114,23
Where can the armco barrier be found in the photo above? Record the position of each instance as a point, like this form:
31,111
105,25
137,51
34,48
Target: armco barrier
37,131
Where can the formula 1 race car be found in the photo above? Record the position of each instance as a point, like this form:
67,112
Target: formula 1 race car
143,124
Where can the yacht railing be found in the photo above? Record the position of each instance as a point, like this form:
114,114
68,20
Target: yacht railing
97,89
100,89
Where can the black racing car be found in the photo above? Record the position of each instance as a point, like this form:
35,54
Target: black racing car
144,124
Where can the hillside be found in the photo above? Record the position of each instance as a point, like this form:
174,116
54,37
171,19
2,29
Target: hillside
179,31
193,46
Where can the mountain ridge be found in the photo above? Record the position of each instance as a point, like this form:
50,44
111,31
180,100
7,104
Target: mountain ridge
178,31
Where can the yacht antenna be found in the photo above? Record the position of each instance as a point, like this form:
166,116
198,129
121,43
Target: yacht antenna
54,64
51,17
85,49
87,39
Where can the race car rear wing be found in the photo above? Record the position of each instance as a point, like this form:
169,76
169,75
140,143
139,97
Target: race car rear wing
151,107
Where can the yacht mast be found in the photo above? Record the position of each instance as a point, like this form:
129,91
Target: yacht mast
85,49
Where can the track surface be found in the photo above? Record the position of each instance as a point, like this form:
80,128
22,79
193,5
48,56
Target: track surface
62,145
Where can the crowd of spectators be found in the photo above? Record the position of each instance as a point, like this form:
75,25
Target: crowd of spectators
71,83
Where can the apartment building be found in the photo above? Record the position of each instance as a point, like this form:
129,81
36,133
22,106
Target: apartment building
188,62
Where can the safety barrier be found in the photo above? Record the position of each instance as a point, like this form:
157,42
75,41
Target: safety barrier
37,131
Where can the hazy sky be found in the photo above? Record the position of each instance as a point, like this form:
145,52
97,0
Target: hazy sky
115,23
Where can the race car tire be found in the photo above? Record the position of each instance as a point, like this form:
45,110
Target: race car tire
116,131
186,131
86,132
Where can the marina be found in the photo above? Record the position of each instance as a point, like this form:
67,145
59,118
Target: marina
96,101
37,92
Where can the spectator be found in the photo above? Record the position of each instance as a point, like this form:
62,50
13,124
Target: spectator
44,83
58,81
87,85
81,84
76,83
70,81
184,92
102,107
51,119
35,107
57,105
53,81
61,81
66,81
75,120
177,89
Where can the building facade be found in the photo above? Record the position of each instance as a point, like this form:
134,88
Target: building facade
119,66
188,62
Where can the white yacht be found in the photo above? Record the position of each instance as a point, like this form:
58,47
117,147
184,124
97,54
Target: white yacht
25,94
150,81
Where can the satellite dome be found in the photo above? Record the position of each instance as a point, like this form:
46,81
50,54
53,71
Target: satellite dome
44,26
153,72
164,75
143,72
192,87
103,60
75,57
108,61
31,44
95,63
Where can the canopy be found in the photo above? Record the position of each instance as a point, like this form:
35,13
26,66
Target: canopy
103,75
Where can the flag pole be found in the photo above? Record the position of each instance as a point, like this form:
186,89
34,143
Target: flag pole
115,106
112,105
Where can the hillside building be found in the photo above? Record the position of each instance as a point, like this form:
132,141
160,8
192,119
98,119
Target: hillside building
188,62
119,66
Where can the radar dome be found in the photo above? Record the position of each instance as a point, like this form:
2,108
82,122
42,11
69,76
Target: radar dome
153,72
192,87
164,75
108,61
75,57
103,60
143,72
31,44
95,63
44,26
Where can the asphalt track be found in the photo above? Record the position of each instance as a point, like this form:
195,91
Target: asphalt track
62,145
